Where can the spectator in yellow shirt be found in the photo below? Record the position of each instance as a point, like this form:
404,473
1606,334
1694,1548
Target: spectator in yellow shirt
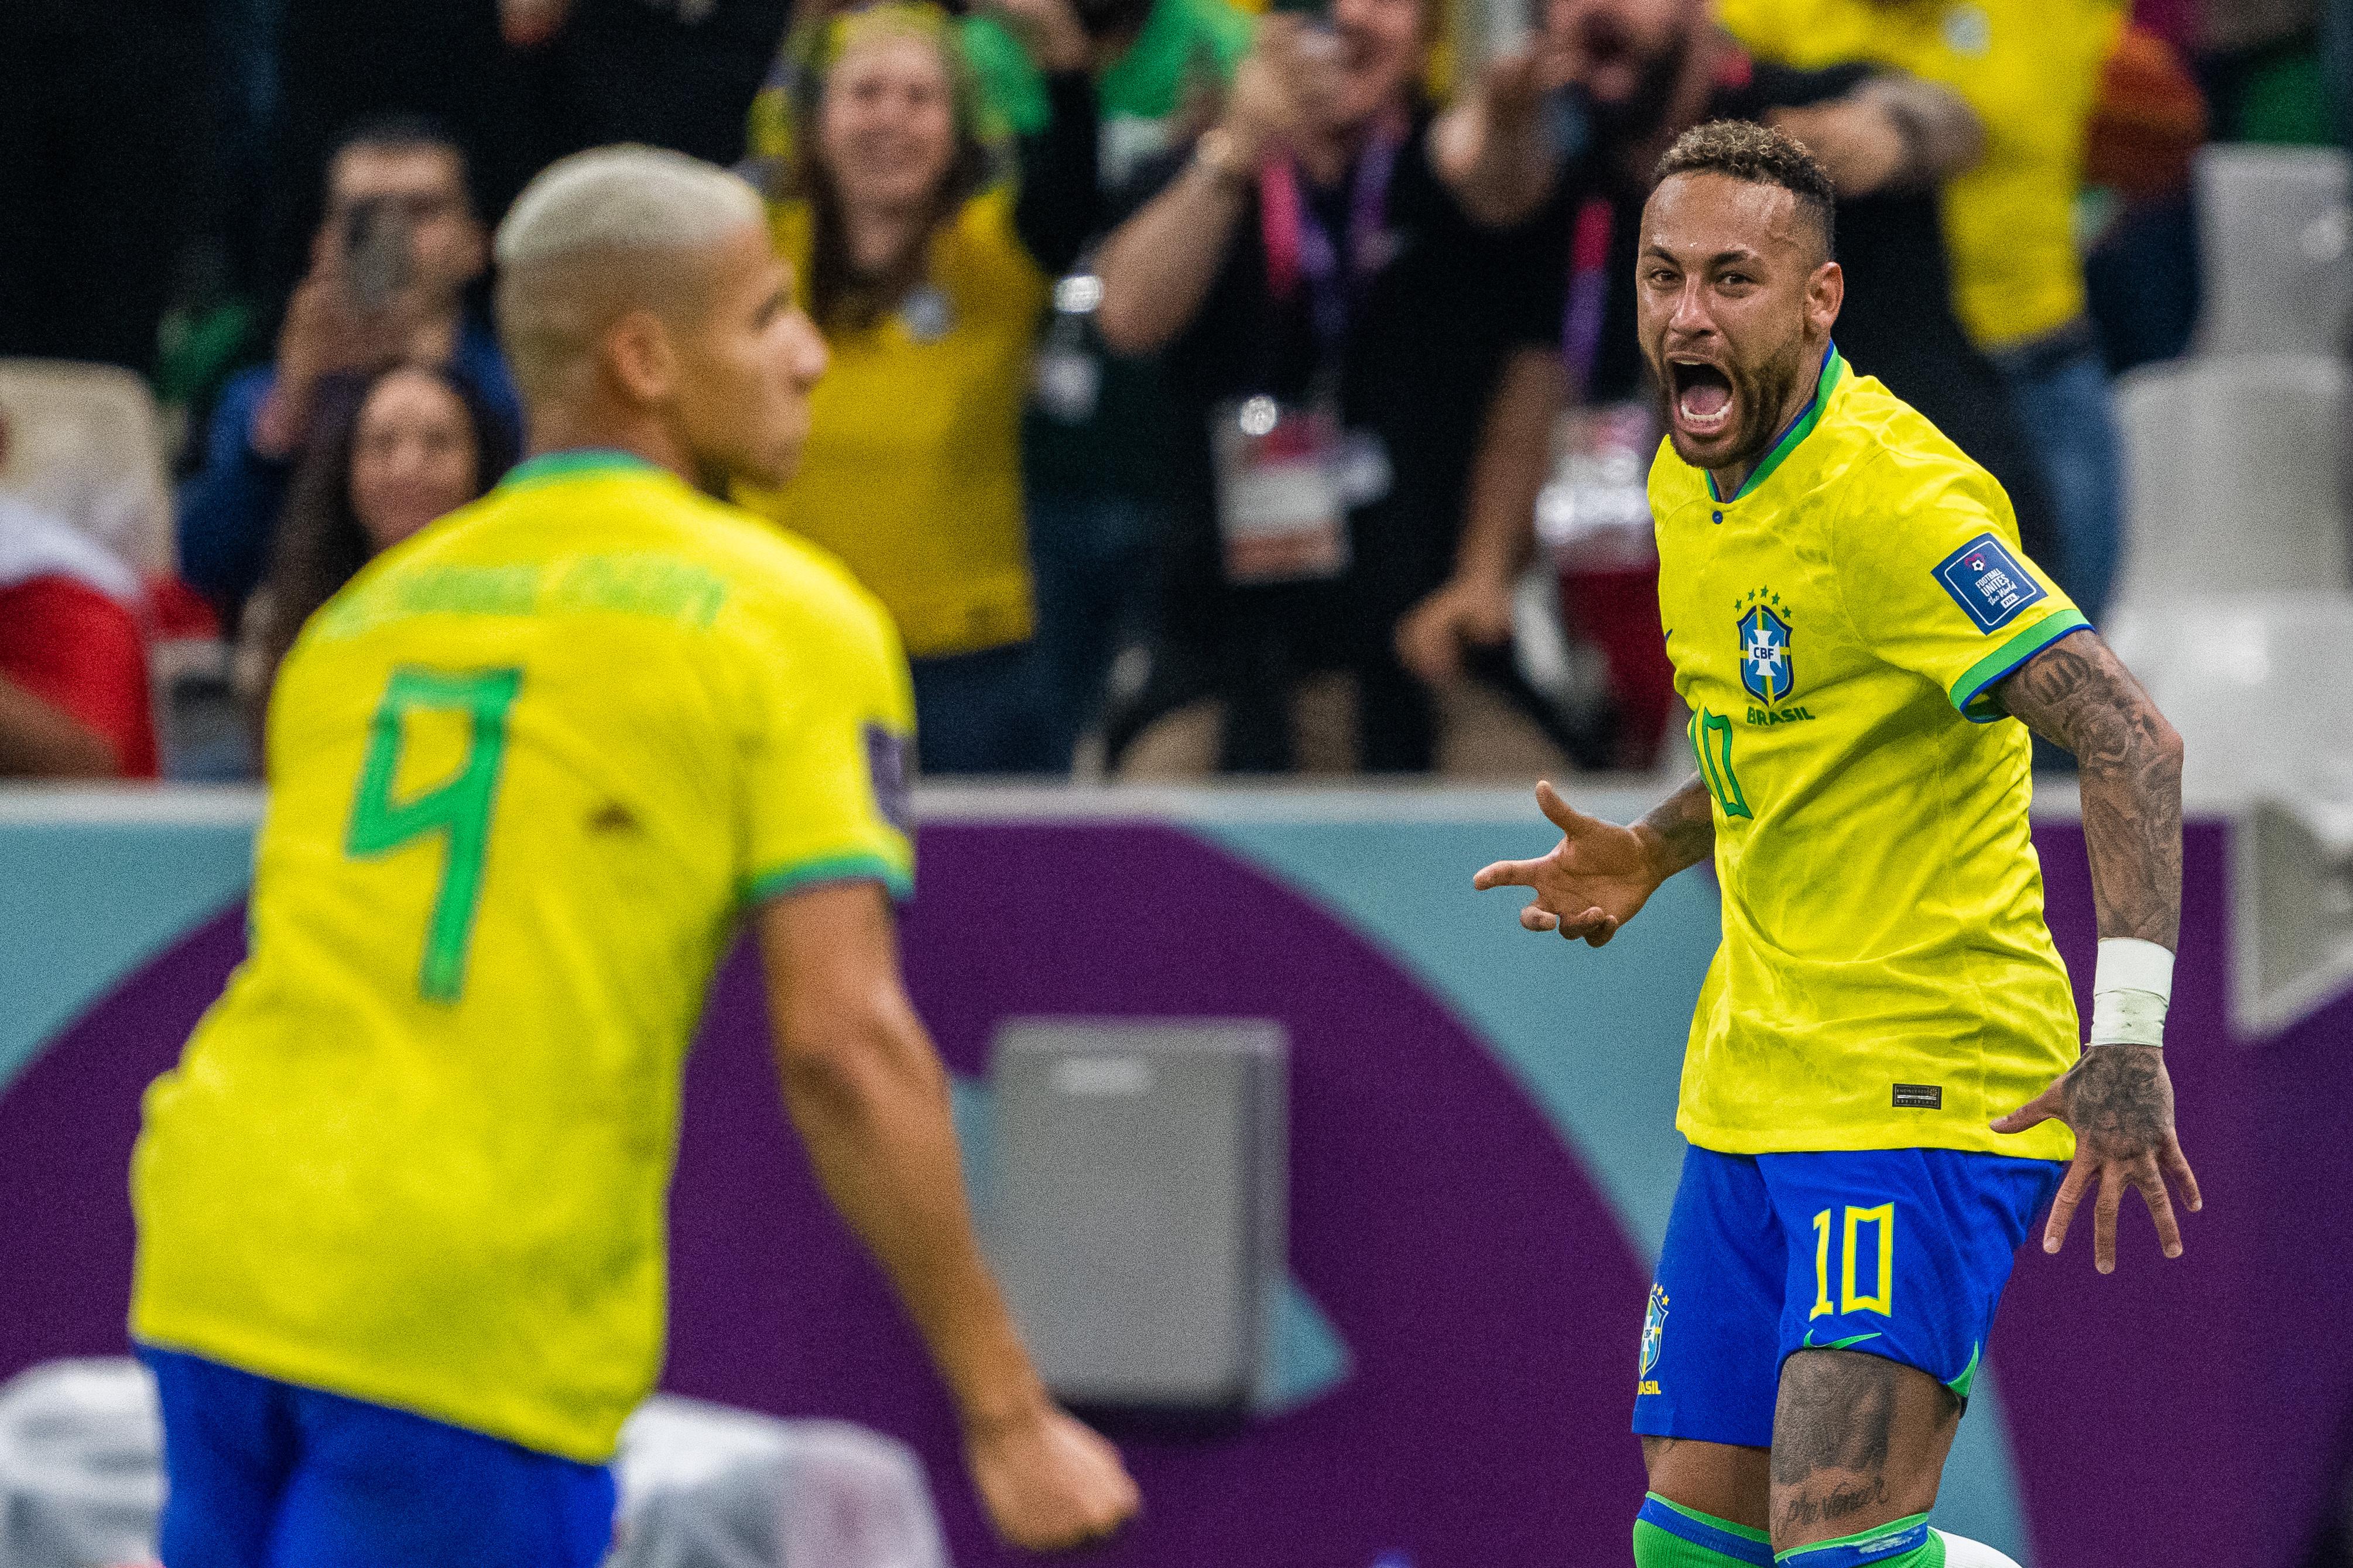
928,270
2031,68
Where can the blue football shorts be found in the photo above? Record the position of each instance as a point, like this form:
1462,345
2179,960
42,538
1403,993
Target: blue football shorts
267,1475
1900,1252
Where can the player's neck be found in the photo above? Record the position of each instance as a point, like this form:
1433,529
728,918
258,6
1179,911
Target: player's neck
1729,479
582,430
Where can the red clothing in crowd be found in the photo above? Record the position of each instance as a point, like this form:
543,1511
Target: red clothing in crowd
78,650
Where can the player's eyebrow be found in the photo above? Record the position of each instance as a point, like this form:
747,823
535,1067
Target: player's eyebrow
1737,255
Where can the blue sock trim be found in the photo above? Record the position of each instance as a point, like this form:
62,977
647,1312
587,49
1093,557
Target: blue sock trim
1700,1530
1895,1540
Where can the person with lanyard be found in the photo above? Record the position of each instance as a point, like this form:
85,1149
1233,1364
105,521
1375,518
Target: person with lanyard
1341,279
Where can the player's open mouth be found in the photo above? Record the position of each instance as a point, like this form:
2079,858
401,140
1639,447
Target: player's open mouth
1702,397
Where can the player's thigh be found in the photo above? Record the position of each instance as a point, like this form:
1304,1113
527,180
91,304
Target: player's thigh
1901,1253
1897,1262
1710,1346
385,1489
229,1449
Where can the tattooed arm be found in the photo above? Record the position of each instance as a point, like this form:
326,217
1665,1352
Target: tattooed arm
1600,875
2118,1098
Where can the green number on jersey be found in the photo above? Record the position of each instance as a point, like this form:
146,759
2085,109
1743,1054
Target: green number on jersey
460,809
1710,737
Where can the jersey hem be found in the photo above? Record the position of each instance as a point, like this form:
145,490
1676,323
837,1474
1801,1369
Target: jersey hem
327,1375
1969,693
2052,1143
761,887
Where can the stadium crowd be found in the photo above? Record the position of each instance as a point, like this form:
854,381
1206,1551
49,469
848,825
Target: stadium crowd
1208,391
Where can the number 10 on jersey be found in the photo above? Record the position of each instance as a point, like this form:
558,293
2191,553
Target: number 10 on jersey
458,810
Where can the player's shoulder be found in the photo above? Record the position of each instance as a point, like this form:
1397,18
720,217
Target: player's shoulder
1889,461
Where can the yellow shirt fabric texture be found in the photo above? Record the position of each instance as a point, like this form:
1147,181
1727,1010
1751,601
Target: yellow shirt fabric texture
2031,68
913,470
526,772
1886,979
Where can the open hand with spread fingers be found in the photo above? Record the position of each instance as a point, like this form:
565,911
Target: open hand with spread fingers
2119,1101
1595,880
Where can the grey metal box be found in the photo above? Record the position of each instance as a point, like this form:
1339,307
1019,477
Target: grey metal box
1141,1195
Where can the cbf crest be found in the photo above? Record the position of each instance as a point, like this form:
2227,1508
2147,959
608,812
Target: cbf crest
1766,669
1655,1331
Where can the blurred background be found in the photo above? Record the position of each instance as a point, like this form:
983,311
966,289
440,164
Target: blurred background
1333,1194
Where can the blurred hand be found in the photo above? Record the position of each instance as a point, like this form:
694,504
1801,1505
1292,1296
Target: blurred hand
1262,106
1049,1482
326,334
1512,89
1465,612
1857,144
1598,879
527,24
1049,29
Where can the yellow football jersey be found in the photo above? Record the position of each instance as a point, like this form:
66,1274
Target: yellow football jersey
526,772
1886,979
2032,70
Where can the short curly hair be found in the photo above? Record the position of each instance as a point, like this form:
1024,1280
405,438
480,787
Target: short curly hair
1757,155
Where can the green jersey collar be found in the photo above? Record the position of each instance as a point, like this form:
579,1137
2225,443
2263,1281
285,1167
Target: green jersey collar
579,463
1834,370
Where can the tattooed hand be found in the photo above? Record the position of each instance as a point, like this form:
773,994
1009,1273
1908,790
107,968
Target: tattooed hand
2120,1103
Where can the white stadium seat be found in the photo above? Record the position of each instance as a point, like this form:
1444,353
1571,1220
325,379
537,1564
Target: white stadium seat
2276,249
2234,477
85,445
2256,684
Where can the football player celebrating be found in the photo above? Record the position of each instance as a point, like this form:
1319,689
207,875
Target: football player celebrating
1882,1085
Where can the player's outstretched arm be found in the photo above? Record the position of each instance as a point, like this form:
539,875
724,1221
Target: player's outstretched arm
1600,875
2118,1097
867,1093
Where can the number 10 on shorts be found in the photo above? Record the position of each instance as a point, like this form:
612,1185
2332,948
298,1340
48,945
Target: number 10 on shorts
1880,1221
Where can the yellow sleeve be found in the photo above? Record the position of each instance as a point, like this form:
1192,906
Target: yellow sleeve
1934,581
829,757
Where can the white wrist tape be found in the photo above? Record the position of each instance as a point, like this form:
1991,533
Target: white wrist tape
2130,989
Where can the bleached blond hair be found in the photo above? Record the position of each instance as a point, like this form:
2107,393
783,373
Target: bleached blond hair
602,233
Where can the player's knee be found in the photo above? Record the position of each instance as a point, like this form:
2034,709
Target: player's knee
1669,1535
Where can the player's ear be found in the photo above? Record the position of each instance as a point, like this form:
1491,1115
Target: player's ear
641,357
1825,292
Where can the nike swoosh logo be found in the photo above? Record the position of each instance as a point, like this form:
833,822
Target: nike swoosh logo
1835,1344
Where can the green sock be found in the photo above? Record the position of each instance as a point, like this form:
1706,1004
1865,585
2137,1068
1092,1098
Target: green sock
1904,1543
1669,1535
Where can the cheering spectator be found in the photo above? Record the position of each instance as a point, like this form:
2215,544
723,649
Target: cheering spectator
411,445
1092,438
927,274
2031,69
390,267
1337,322
73,653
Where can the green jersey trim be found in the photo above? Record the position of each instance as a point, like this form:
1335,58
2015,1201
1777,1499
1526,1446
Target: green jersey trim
1971,694
1709,1520
862,866
574,465
1833,372
1963,1384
